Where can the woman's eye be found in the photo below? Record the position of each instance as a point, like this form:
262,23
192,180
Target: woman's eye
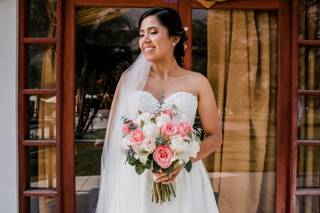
141,35
154,32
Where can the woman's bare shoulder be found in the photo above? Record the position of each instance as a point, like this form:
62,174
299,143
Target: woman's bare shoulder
195,77
197,81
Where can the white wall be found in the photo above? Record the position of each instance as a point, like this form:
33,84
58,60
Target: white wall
8,106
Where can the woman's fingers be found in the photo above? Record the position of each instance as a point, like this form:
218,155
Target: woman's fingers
168,178
177,170
165,178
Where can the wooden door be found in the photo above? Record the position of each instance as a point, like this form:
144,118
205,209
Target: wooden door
305,149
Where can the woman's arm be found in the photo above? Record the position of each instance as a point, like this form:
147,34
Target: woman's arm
209,117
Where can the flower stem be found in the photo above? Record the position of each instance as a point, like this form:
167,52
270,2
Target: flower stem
172,189
158,192
162,192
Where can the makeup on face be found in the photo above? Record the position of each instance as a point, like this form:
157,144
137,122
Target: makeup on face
154,40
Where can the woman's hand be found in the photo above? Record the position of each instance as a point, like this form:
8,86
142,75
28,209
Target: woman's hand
167,179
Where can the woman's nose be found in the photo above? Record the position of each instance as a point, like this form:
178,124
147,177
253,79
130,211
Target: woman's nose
146,38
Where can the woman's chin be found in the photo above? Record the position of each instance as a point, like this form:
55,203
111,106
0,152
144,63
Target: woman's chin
149,58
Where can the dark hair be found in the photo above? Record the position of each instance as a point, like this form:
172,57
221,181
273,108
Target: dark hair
170,19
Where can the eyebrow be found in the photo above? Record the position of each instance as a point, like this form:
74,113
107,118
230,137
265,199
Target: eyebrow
149,28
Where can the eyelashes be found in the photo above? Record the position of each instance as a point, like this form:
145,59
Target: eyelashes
152,33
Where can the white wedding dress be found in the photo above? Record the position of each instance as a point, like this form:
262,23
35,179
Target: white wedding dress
133,191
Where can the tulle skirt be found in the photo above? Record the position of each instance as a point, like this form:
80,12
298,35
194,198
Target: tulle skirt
129,192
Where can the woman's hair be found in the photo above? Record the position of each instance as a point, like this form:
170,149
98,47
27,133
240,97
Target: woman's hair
170,19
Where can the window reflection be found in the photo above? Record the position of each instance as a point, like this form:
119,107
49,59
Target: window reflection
102,56
237,51
41,113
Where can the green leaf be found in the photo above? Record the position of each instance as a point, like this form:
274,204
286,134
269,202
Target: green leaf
154,166
197,138
188,166
174,107
159,141
140,168
132,161
148,164
124,119
169,170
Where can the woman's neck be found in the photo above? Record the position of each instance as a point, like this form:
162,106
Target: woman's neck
164,68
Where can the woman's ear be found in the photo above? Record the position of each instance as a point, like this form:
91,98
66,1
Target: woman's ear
175,39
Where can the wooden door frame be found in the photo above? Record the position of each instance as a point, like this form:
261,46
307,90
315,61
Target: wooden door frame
184,7
25,191
297,92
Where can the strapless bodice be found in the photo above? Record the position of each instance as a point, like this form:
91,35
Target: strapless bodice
144,101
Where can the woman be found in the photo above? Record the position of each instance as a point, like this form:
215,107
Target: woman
157,78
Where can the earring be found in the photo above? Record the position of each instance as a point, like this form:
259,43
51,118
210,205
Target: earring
173,44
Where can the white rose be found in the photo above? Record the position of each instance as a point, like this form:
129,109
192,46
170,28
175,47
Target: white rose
151,130
143,157
162,119
178,144
183,157
125,143
145,117
140,152
137,147
194,148
180,148
149,144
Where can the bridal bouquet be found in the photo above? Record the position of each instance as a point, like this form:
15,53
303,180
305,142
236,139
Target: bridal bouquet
160,141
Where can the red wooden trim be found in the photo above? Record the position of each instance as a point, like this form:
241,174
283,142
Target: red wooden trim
309,92
67,101
23,204
306,191
39,142
294,106
309,43
39,91
58,103
308,142
185,12
40,192
39,40
283,109
242,4
128,4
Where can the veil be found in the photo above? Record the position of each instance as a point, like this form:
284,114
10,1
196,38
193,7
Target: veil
114,175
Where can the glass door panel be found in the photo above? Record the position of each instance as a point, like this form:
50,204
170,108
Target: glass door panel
237,51
41,18
42,205
309,19
106,44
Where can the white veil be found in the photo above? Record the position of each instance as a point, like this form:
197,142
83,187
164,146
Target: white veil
114,174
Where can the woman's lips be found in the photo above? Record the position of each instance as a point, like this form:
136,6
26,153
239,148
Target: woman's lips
148,49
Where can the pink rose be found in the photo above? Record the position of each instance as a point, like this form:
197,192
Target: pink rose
163,155
125,128
184,128
136,136
169,129
167,112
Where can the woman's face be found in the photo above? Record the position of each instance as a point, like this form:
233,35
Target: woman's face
154,41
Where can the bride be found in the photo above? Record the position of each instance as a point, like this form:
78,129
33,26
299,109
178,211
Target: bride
155,79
